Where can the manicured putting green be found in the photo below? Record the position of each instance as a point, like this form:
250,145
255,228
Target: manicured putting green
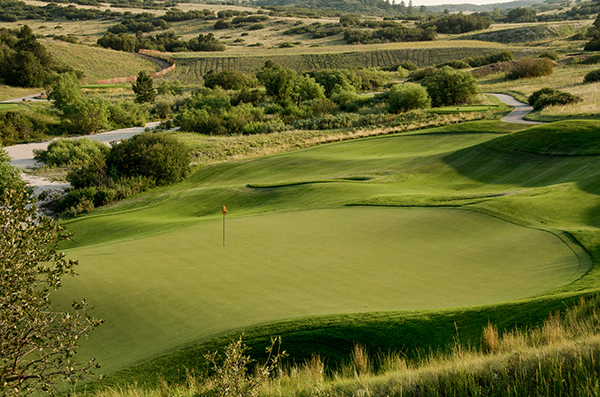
164,291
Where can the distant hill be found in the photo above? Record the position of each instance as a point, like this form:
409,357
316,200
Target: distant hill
381,7
466,7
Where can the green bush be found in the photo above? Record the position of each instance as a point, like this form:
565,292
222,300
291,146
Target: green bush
405,97
86,116
402,73
278,81
420,74
307,88
527,68
256,26
372,79
550,54
168,87
337,80
126,114
71,151
455,65
20,126
408,65
229,80
549,96
286,44
560,98
156,156
447,87
592,76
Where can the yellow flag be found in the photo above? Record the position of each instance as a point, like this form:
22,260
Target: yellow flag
224,211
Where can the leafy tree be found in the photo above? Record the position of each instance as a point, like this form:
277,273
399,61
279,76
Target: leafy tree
144,88
86,116
338,80
158,156
594,33
170,88
521,14
447,86
409,96
278,81
459,23
307,88
38,342
64,89
229,80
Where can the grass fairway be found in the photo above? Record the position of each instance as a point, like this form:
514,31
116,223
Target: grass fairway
167,290
301,243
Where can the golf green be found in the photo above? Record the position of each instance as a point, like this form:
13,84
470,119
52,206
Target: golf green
162,292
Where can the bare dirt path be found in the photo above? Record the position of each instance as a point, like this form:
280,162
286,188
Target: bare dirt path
521,110
22,156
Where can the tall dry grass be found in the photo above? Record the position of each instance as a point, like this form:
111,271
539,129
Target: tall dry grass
560,357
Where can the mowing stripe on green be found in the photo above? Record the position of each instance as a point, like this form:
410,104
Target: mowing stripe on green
165,291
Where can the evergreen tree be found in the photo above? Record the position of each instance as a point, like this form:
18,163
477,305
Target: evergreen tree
144,88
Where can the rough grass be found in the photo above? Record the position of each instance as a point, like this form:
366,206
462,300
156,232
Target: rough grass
99,63
566,78
566,138
528,33
8,92
438,167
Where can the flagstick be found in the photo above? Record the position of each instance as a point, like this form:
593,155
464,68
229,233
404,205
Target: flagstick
223,230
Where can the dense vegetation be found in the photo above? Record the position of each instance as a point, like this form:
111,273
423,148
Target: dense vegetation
24,62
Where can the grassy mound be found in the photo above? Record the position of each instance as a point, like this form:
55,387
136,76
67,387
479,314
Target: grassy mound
563,138
99,63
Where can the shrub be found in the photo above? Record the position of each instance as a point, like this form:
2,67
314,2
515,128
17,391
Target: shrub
307,88
544,91
63,89
278,81
229,80
71,151
157,156
549,96
86,116
447,86
594,59
170,88
402,73
372,79
550,54
337,80
408,65
405,97
456,65
286,44
220,24
256,26
560,98
126,114
592,76
526,68
420,74
459,23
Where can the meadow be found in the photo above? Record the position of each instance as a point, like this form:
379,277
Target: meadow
455,222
